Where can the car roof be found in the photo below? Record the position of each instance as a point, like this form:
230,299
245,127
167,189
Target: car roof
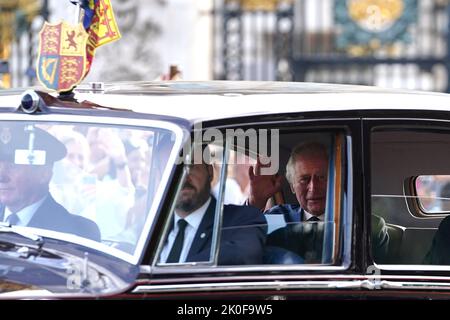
213,100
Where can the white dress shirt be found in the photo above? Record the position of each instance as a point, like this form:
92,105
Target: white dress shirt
308,215
26,214
193,222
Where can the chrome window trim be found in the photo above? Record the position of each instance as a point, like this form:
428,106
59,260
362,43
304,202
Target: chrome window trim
179,132
348,207
412,267
218,214
289,285
414,285
197,268
408,267
328,253
310,282
260,285
280,122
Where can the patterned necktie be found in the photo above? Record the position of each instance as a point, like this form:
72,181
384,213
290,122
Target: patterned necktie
313,219
174,255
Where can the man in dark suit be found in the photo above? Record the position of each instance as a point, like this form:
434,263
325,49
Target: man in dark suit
306,172
243,230
439,253
27,154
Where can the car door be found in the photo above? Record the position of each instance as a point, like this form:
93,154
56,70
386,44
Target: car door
338,273
406,154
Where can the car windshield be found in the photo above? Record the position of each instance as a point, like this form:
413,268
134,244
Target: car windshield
95,181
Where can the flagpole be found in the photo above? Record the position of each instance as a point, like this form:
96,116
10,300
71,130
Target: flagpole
69,95
78,12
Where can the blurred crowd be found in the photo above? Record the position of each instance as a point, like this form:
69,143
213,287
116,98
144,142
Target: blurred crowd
111,175
105,175
434,192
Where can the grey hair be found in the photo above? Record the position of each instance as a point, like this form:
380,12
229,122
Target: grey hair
308,149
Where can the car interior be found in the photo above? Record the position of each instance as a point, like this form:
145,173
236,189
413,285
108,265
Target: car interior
287,140
398,157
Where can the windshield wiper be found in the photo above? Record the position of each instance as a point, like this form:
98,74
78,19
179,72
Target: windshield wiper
38,240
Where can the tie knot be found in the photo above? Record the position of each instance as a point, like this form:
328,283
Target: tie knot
313,218
182,224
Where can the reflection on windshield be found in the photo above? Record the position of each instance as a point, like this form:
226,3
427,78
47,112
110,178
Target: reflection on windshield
91,181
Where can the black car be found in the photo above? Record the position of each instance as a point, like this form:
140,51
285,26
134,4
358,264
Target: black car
110,163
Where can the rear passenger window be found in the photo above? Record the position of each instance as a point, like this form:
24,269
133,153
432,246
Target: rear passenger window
304,222
410,191
433,193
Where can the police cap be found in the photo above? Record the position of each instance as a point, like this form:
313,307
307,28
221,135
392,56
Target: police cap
16,139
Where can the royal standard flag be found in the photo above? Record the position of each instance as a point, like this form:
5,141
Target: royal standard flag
89,9
100,24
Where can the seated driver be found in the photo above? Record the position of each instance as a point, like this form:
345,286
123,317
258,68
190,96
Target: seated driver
27,155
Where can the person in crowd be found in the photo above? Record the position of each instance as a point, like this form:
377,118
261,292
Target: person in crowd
114,192
71,184
137,158
233,193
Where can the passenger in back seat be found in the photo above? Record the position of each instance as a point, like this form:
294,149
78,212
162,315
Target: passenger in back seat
380,239
306,172
439,252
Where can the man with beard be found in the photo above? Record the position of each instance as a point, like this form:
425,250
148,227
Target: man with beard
243,227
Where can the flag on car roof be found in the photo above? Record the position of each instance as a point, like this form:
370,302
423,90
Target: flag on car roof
61,61
89,9
100,23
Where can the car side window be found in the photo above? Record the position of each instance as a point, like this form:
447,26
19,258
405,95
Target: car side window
289,212
410,171
97,182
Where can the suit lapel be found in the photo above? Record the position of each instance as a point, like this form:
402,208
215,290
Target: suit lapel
43,217
204,230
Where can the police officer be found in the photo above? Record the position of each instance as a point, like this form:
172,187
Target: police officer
27,155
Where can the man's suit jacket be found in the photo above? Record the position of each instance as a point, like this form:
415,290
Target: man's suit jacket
439,252
304,239
242,238
53,216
